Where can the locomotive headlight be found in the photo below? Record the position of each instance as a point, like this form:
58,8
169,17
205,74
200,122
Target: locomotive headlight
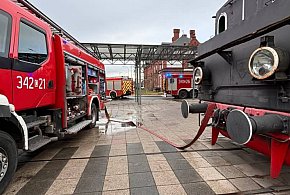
265,61
198,75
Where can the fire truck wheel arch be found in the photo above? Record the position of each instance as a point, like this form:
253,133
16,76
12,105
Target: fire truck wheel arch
94,115
8,163
113,92
13,127
95,100
12,123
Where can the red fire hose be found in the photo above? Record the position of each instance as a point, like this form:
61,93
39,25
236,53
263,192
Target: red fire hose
201,129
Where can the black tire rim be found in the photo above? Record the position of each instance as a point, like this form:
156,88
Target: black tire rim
3,163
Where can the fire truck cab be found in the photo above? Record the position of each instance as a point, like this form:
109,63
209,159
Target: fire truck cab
180,85
44,91
119,87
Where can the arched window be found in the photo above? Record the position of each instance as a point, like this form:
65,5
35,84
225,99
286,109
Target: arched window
222,23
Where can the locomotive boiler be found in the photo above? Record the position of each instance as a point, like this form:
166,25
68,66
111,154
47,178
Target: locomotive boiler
243,74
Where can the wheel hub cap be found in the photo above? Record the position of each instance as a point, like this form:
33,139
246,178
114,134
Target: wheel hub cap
3,163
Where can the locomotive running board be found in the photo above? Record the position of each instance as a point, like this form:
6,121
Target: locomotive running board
76,128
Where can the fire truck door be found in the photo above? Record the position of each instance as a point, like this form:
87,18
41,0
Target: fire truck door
5,60
172,84
33,73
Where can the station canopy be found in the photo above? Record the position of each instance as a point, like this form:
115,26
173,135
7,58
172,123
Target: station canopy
123,54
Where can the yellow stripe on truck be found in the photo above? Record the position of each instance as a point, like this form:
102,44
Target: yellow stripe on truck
127,86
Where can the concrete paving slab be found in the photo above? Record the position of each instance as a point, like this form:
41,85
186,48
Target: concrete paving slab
116,159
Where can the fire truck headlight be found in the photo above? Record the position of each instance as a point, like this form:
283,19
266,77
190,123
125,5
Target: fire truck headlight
198,75
265,61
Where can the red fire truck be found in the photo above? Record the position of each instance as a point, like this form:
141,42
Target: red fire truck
179,85
119,87
50,85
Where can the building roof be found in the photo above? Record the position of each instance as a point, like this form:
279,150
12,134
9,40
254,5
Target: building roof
181,41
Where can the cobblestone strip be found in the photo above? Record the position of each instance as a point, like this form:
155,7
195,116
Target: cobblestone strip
140,176
68,178
187,176
213,178
93,176
24,175
166,180
44,178
30,169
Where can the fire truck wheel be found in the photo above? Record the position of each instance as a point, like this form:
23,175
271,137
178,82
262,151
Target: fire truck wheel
94,116
183,94
196,93
191,93
8,159
113,95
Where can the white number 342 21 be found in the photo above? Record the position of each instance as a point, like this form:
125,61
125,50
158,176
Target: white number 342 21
30,83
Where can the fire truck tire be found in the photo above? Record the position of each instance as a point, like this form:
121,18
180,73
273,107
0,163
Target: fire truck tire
113,95
183,94
8,159
195,94
94,115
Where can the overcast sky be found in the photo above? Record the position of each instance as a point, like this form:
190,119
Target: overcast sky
131,21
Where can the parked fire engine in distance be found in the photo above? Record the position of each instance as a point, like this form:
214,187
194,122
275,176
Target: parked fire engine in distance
180,85
44,84
118,87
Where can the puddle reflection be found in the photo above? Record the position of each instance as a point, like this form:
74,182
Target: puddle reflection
120,123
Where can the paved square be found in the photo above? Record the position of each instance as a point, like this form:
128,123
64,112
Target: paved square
117,158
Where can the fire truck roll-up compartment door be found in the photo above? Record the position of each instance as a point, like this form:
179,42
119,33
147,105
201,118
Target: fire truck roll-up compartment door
110,85
172,84
117,85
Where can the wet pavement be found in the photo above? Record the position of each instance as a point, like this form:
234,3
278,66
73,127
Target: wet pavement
118,158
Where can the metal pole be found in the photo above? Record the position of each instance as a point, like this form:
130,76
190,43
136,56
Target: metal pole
136,85
139,83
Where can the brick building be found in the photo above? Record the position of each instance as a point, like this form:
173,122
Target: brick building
155,73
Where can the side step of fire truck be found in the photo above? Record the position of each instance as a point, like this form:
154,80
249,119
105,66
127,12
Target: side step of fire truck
76,128
38,141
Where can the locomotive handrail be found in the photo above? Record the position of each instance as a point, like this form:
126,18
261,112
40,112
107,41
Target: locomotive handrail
248,37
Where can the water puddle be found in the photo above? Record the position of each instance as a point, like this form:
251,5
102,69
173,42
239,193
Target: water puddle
117,125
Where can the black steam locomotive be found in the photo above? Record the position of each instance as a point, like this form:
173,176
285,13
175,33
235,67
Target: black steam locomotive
244,71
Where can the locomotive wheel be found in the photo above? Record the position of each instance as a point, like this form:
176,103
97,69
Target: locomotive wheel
8,159
183,94
94,116
113,95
